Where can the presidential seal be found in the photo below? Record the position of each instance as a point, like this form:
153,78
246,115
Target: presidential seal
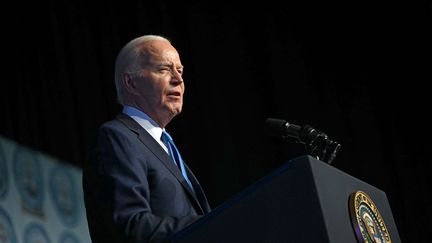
63,193
366,219
28,179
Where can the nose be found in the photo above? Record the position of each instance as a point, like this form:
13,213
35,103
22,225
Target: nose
176,76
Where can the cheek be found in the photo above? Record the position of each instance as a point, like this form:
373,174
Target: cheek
158,91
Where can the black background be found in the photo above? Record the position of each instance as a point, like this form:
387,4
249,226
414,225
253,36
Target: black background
359,71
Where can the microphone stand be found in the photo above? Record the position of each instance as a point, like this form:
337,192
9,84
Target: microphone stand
321,147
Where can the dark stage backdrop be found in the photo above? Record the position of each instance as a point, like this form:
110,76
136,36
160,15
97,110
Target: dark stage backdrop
358,71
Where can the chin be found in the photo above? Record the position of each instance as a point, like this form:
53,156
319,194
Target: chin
175,110
176,107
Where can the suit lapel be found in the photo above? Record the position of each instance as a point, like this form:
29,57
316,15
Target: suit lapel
198,191
160,153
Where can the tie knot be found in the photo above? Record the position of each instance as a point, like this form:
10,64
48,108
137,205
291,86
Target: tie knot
166,137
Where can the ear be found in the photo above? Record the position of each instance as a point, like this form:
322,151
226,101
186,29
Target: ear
129,84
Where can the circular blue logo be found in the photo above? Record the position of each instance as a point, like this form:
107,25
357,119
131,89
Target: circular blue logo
63,194
34,233
28,179
68,237
4,177
7,232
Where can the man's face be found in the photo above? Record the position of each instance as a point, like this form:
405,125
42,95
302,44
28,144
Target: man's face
159,85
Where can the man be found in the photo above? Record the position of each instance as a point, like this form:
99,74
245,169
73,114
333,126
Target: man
136,186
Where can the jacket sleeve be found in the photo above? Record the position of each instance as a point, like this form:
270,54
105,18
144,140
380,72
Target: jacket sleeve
117,194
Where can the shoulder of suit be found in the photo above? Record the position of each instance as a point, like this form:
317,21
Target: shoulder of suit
122,122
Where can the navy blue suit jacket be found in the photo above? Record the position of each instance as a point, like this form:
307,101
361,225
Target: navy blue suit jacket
133,192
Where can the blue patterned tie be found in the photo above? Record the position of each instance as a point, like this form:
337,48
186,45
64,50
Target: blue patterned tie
175,156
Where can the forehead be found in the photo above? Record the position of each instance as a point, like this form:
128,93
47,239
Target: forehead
157,52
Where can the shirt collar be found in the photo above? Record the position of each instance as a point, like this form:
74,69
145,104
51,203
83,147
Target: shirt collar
145,121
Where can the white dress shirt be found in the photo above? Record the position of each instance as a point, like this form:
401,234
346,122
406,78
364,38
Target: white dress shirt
147,123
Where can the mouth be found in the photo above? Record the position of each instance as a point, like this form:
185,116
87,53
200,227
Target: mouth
174,94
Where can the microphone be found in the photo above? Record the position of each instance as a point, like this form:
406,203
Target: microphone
317,143
285,130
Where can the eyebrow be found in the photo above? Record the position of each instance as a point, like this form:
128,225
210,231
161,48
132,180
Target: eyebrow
166,64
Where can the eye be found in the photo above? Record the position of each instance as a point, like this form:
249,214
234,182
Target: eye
164,69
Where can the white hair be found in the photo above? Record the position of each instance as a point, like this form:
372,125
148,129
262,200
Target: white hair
129,60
